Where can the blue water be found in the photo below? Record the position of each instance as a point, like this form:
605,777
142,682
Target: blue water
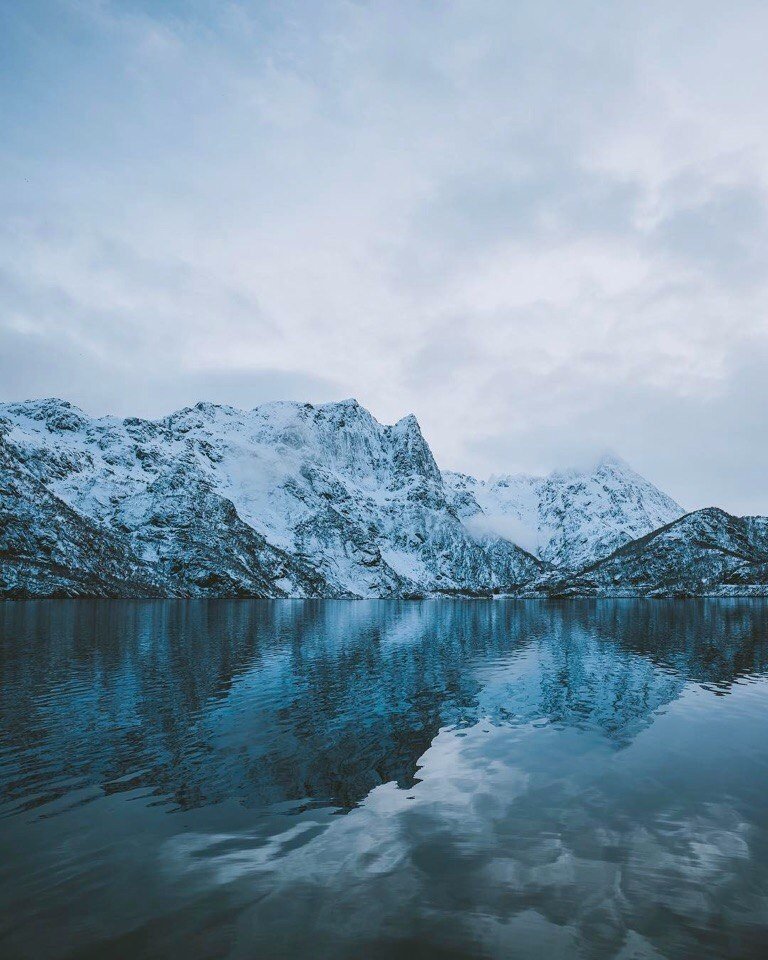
367,780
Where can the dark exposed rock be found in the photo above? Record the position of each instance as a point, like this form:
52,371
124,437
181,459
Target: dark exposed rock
705,553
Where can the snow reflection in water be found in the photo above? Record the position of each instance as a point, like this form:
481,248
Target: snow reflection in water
557,780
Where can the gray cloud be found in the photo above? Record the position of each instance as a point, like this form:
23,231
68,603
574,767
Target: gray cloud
725,233
539,226
33,366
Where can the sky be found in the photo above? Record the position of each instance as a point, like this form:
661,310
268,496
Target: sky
542,227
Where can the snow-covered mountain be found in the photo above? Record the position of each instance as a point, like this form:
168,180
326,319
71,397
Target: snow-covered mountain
287,499
47,549
296,500
569,518
705,553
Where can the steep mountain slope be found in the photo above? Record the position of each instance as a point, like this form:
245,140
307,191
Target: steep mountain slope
48,549
707,552
569,519
287,499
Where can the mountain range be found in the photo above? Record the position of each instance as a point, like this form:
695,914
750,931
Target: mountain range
300,500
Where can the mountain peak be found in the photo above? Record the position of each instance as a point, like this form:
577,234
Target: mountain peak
611,460
39,404
571,517
350,404
56,413
408,424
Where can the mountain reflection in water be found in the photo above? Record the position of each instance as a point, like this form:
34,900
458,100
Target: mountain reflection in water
570,779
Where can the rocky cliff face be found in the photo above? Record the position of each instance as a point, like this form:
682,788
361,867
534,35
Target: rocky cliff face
287,499
570,518
47,549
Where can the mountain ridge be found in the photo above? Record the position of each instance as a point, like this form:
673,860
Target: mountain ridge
707,552
287,499
292,499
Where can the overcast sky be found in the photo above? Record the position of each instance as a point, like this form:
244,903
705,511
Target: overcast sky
540,226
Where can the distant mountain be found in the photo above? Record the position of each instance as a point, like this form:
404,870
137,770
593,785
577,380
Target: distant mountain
569,518
288,499
705,553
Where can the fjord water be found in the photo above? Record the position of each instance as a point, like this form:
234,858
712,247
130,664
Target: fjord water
385,779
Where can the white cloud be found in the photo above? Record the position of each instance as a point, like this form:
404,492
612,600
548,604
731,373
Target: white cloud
507,526
511,219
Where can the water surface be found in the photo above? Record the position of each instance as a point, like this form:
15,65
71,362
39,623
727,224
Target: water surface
346,780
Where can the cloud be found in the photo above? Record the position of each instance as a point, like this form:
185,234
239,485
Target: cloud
506,526
540,226
31,366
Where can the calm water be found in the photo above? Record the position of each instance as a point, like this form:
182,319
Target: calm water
365,780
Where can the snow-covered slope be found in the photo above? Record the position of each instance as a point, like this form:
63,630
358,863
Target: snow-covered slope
569,518
287,499
705,553
47,549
